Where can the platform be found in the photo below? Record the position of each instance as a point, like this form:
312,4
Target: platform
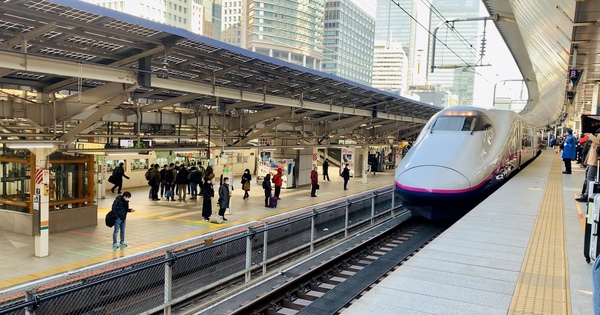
153,224
518,252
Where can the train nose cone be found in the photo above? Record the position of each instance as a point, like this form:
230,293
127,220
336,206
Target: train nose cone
433,179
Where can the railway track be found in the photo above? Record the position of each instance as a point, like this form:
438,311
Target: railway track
331,286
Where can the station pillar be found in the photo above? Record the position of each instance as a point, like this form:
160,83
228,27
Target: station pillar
41,201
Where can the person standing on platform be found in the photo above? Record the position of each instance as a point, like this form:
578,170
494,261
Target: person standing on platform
278,181
118,174
246,179
224,198
170,179
207,195
194,182
183,179
266,185
314,182
346,176
326,170
154,182
163,180
120,207
568,151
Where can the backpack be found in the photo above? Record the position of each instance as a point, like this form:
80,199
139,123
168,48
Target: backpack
148,176
110,219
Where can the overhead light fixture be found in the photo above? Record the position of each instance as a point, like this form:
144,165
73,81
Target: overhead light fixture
122,153
232,150
28,144
298,148
269,149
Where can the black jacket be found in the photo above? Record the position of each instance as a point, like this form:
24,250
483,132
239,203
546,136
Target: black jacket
120,207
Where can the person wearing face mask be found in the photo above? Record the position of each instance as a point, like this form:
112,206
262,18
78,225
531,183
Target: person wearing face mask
120,208
207,194
224,198
246,178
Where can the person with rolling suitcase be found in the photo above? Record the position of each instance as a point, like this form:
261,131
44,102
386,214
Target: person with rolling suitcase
266,185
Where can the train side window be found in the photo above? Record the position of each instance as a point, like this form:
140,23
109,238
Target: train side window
485,123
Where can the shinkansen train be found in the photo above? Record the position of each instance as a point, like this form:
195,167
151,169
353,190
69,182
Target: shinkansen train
460,156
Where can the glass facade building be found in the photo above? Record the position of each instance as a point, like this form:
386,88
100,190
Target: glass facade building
464,42
291,30
348,41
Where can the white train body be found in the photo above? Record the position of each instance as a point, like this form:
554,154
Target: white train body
460,154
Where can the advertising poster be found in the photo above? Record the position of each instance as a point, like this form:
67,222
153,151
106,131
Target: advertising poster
348,158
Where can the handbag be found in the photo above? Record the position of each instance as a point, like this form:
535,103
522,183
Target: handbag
215,218
246,186
317,186
111,179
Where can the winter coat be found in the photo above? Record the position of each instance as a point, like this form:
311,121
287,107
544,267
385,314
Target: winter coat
154,177
266,185
346,173
325,168
277,179
591,158
224,196
246,178
569,148
120,207
118,174
183,176
314,177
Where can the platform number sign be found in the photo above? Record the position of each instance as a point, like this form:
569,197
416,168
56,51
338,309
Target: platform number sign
574,76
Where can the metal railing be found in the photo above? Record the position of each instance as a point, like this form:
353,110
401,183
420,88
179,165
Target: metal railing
155,280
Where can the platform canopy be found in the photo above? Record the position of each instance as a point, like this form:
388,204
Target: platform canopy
548,39
97,71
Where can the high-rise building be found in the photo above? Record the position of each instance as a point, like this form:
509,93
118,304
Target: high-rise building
460,48
348,41
197,16
394,24
390,67
234,23
290,30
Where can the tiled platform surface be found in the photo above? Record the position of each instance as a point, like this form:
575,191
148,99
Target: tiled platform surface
155,223
518,252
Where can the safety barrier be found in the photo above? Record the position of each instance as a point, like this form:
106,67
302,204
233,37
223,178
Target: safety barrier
156,280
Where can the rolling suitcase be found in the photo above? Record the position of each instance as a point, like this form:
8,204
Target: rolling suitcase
215,218
272,202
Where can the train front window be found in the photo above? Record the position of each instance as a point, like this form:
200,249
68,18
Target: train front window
455,123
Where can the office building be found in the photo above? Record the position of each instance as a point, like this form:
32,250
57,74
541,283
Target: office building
197,16
348,41
390,67
460,49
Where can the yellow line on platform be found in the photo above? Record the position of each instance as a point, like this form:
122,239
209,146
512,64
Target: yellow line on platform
543,285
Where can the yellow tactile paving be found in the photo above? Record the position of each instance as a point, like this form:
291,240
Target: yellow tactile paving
543,285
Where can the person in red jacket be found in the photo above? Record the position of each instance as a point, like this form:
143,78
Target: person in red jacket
314,182
278,181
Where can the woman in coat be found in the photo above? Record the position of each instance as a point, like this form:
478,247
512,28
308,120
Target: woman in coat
266,185
224,198
314,181
569,151
207,194
246,179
